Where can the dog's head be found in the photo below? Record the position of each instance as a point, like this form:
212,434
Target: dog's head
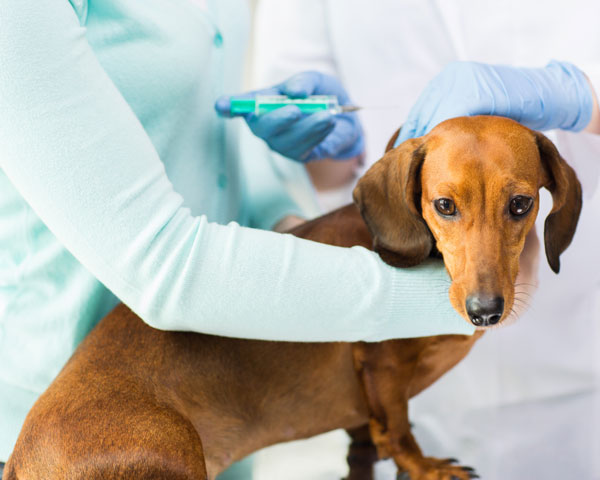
470,188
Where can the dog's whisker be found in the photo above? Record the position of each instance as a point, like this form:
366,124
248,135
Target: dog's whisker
521,301
525,298
529,286
523,306
523,292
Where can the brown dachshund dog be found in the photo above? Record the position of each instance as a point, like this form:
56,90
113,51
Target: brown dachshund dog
138,403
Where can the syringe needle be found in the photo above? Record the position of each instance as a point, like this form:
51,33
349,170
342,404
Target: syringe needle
349,108
354,108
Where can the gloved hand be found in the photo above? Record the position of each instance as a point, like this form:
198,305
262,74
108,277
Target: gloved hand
555,96
305,137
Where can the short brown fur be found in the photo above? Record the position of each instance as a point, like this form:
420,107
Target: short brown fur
139,403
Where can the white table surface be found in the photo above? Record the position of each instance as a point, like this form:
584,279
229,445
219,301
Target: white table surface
552,439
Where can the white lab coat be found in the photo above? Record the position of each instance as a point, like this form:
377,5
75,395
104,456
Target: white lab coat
525,402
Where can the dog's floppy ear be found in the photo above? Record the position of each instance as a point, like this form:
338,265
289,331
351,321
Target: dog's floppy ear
392,140
562,182
388,197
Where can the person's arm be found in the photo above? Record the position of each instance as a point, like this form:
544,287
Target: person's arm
557,96
73,148
285,44
266,200
298,136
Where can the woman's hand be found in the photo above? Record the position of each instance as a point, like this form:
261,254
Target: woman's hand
555,96
305,138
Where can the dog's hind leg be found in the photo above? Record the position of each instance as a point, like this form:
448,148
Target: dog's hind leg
167,447
109,439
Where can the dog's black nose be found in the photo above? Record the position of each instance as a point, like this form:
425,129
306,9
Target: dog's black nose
484,310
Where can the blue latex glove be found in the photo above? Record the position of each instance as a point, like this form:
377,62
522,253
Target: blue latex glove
304,137
555,96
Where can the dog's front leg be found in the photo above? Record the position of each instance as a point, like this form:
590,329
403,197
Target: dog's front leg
362,454
385,371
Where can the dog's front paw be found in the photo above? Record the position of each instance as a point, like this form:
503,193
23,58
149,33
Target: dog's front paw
435,469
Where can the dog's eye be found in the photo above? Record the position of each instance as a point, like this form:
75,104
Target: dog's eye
520,205
445,206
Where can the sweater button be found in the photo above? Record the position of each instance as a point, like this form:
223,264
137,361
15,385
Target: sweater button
218,39
222,181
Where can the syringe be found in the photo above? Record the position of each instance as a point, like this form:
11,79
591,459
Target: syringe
267,103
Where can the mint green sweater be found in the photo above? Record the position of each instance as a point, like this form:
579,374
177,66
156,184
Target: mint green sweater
117,176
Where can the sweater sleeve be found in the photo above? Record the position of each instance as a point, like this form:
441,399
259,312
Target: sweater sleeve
267,199
76,152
